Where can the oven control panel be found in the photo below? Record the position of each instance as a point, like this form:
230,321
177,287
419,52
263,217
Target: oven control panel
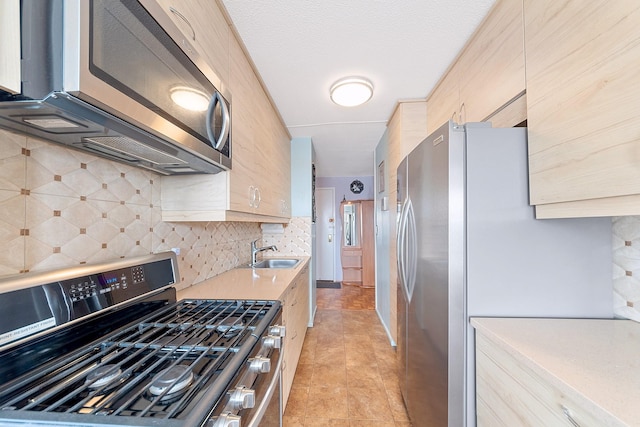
64,296
102,290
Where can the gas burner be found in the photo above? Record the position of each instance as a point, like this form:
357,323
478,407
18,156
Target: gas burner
102,376
227,329
175,379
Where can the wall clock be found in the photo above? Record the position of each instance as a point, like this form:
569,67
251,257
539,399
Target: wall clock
356,187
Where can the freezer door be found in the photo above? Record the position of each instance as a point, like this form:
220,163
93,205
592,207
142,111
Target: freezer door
427,312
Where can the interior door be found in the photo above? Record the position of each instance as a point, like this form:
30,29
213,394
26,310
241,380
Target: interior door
325,234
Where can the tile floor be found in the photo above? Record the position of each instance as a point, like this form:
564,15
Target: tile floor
347,370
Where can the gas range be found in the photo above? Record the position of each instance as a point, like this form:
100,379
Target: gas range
110,345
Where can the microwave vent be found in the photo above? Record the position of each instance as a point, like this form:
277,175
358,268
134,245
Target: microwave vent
131,148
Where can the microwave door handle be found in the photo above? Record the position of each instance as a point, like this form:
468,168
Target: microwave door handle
219,142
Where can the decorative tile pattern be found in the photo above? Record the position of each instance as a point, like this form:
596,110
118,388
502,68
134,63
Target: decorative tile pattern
60,207
626,267
295,241
12,231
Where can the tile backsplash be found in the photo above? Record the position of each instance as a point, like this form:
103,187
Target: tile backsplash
626,267
61,207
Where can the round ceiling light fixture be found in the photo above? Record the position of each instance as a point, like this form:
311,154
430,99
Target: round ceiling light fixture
189,98
351,91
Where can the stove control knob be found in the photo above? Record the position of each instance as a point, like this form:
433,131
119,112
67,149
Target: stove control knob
226,420
277,330
243,398
260,365
271,341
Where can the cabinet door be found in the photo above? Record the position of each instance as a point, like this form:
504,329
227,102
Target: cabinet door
582,94
509,393
493,63
205,27
444,102
296,316
261,145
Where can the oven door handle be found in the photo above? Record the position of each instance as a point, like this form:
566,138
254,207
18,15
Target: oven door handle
275,382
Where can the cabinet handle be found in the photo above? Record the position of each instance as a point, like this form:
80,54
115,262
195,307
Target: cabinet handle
567,413
463,114
252,196
258,197
294,336
184,18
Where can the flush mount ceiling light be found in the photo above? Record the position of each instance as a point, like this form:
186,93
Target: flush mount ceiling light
351,91
189,98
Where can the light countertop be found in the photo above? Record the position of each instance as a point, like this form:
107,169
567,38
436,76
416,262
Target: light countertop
596,360
246,283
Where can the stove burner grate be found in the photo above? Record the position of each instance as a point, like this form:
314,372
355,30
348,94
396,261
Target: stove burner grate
162,367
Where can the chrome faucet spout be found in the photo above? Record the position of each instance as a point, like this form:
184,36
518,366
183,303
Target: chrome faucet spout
255,249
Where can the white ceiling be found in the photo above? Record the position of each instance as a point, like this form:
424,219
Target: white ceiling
301,47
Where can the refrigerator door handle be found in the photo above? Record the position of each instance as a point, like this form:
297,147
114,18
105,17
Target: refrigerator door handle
412,251
400,253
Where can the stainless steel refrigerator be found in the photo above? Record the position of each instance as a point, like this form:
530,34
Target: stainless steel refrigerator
469,245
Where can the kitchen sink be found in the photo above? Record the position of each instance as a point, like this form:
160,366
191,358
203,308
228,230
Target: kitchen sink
276,263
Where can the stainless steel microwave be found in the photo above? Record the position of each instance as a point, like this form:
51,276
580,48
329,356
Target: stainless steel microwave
117,78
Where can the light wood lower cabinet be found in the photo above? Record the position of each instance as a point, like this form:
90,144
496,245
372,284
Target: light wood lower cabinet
509,393
295,317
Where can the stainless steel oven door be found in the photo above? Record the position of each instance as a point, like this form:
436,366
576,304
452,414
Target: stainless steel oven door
255,396
122,57
268,413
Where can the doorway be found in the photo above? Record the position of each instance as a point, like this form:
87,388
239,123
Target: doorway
325,234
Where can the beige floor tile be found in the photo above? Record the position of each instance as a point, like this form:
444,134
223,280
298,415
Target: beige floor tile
358,341
353,380
360,357
303,374
308,354
329,355
371,423
369,404
330,375
297,403
321,422
397,405
289,421
327,402
368,377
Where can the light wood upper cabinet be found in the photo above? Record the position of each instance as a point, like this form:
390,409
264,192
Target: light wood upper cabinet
492,64
487,80
204,26
261,176
10,79
258,187
582,94
443,104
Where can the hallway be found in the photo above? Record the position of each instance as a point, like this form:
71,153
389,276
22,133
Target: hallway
347,371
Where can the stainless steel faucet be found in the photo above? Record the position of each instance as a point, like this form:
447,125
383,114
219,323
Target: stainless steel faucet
255,250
